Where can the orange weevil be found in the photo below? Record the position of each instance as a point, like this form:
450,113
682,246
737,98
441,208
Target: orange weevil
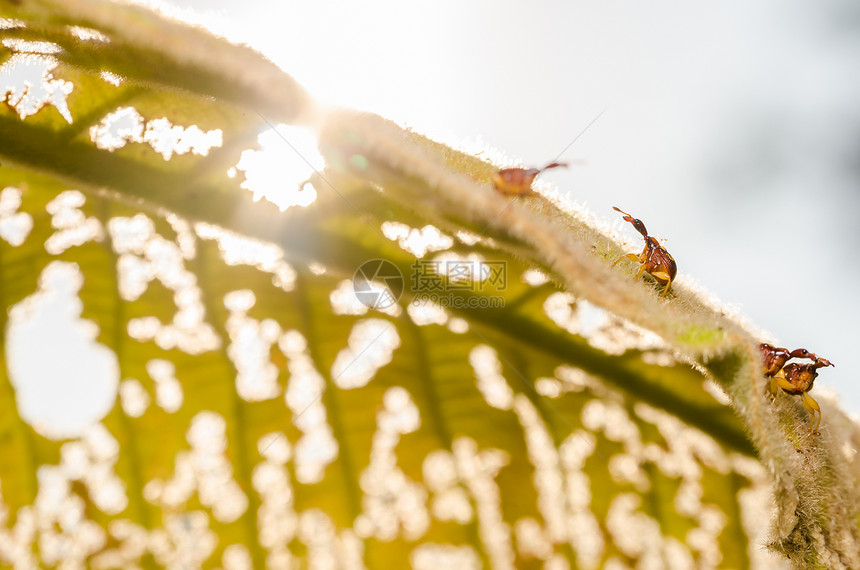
654,258
793,378
775,357
518,181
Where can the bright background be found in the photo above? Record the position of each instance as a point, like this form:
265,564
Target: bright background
732,129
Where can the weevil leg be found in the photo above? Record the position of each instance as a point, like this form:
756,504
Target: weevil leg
630,256
783,383
642,260
812,407
772,386
665,277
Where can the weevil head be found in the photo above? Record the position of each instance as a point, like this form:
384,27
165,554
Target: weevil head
637,223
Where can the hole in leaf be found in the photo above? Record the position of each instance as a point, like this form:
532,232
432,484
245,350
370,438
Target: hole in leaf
126,125
27,84
280,171
15,226
76,387
415,241
371,345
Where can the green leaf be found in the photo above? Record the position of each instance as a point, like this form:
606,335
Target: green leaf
556,414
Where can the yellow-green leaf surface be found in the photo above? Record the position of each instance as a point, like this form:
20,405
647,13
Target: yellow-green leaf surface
518,405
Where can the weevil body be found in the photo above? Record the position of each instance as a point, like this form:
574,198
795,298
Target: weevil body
793,378
775,357
518,181
654,259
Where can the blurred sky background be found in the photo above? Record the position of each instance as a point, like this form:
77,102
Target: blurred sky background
732,128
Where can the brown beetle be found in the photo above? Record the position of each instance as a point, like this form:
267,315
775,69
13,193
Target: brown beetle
518,181
654,258
775,357
793,378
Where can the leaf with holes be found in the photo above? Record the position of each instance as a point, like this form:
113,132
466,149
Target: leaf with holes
244,330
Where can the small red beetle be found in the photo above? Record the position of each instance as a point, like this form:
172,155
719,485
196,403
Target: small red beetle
518,181
793,378
654,258
775,358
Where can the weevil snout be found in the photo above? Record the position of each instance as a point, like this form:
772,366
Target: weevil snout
637,223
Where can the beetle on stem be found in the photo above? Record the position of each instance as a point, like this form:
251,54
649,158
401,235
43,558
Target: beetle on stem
793,378
775,357
654,259
518,181
797,379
